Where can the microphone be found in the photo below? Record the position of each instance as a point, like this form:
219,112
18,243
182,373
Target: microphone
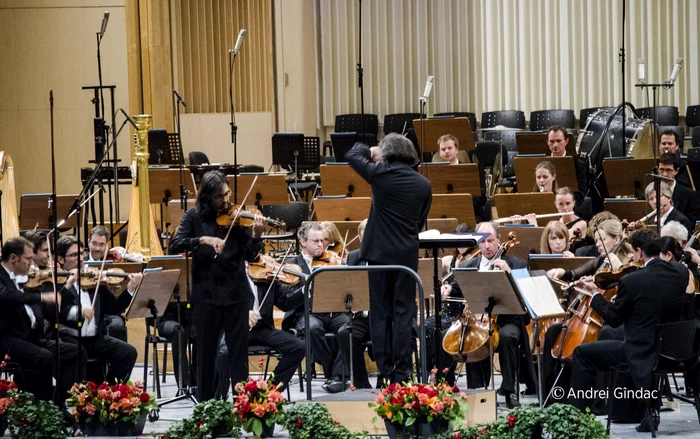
105,20
179,98
239,42
640,71
128,118
661,177
428,88
676,71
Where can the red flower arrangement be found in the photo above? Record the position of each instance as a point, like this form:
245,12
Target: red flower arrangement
119,402
258,402
406,403
7,398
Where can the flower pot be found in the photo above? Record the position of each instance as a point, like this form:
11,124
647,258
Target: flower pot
420,428
267,430
114,428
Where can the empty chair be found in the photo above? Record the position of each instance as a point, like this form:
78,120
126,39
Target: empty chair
692,116
507,139
543,119
695,139
507,118
664,115
352,123
198,158
399,122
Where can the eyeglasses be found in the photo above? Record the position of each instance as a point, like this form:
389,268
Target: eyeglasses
665,170
73,255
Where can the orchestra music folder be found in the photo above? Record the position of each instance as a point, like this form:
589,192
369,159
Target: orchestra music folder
537,294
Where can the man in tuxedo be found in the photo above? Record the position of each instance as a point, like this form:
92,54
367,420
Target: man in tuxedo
668,211
311,236
401,199
82,306
41,248
669,143
115,326
558,140
22,335
685,200
645,298
264,333
512,333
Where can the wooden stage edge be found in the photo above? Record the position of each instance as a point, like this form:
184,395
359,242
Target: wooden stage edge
357,415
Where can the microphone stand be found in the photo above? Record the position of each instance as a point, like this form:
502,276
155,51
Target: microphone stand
360,78
234,128
622,61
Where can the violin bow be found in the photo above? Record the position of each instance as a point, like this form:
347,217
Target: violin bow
345,246
269,287
240,209
99,279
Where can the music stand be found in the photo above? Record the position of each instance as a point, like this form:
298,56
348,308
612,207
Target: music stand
153,294
339,208
160,148
342,143
524,167
627,208
269,189
33,211
528,236
625,176
435,128
540,203
434,243
341,179
493,292
452,179
164,184
458,206
536,143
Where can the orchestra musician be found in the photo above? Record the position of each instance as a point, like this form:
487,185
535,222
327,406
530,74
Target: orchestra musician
545,177
565,202
685,199
311,241
448,150
557,140
668,212
669,143
555,240
115,326
588,247
22,334
512,331
263,333
41,248
95,304
645,298
220,287
401,199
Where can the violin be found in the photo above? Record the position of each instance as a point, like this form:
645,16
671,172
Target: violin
327,258
244,217
606,278
266,269
119,255
88,277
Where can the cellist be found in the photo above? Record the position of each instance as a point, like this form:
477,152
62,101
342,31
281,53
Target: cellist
645,298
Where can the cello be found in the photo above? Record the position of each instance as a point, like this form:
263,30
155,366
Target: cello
584,323
467,339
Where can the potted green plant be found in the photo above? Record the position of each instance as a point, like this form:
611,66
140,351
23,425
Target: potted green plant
258,406
29,418
212,418
313,420
414,409
116,410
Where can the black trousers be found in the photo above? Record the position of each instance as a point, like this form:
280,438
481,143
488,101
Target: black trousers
37,359
360,335
319,325
392,305
211,321
478,374
115,326
174,332
120,355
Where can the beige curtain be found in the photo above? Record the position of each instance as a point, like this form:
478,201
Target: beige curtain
491,55
202,33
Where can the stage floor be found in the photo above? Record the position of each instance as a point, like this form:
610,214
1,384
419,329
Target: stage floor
680,423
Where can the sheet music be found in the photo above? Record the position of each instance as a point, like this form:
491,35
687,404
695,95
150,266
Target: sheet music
540,298
435,234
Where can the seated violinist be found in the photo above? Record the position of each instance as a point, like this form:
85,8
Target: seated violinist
41,248
311,242
90,307
263,332
555,240
512,327
645,298
587,247
115,326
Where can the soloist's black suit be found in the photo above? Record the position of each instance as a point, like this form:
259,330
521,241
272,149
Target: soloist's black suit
29,347
512,334
220,295
401,199
645,298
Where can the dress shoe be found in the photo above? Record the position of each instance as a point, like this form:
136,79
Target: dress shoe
529,391
644,426
512,400
335,386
